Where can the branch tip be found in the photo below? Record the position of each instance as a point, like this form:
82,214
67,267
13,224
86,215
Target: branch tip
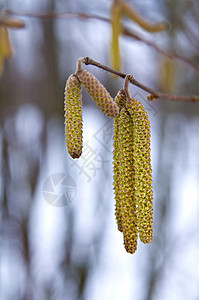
86,60
126,86
79,64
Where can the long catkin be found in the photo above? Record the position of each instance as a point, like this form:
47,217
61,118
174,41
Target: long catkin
127,182
143,170
124,176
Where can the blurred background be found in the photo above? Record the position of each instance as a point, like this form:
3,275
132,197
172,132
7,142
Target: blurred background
58,234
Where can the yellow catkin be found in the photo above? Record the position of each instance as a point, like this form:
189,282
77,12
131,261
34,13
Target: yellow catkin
120,100
73,116
143,170
116,31
124,175
5,46
98,93
116,172
127,182
129,11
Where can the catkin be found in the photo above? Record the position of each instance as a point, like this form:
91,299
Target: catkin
116,172
127,181
116,15
98,93
5,46
143,170
124,175
128,10
120,100
73,116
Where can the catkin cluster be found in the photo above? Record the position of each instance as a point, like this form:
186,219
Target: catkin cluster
131,154
132,172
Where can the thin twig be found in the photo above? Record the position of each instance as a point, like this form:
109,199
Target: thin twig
125,30
57,15
131,33
153,94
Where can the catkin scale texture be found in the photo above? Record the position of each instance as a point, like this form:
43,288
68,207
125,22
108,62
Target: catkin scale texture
73,116
98,92
127,181
5,46
124,175
120,100
143,170
116,172
116,15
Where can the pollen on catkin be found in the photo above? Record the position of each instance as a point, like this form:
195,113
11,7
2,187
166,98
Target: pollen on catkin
143,170
116,172
73,116
98,92
120,100
124,176
127,181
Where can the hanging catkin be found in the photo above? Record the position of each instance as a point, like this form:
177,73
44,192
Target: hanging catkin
127,184
73,116
116,15
98,93
116,172
120,100
131,154
125,175
143,170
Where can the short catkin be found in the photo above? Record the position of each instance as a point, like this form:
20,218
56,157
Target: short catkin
73,116
124,184
98,93
143,170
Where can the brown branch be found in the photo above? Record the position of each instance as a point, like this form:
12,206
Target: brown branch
52,15
126,31
153,94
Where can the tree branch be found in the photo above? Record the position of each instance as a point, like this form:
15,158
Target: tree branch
131,33
153,95
126,31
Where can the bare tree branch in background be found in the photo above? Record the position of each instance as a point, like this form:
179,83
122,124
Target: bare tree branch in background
126,31
22,169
